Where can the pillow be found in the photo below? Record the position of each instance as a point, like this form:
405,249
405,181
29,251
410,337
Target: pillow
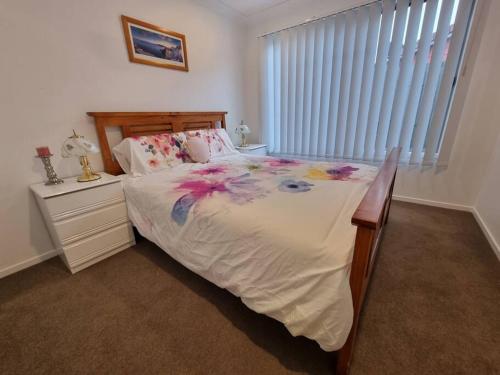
218,141
227,145
139,156
198,150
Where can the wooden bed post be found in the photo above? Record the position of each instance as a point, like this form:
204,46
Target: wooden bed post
370,218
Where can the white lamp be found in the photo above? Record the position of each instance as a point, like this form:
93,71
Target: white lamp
78,146
243,130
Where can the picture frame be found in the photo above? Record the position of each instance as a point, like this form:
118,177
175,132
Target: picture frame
152,45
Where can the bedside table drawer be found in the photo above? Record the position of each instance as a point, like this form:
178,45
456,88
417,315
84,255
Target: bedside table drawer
81,226
103,242
68,205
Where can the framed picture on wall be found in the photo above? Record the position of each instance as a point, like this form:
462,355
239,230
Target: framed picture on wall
153,45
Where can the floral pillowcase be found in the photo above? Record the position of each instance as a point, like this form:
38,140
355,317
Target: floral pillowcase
143,155
218,141
139,156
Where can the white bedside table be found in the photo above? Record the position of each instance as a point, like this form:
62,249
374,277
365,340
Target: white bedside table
253,149
87,220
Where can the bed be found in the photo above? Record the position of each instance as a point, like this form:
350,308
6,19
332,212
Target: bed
295,240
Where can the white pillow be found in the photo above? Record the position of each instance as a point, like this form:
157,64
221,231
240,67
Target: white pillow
198,150
139,156
218,141
228,147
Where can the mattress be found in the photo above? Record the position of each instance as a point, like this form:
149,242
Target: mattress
274,232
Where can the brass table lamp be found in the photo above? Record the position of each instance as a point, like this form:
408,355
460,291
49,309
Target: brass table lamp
243,130
78,146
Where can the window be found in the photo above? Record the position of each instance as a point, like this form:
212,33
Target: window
356,84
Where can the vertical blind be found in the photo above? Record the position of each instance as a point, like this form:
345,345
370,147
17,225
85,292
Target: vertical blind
355,84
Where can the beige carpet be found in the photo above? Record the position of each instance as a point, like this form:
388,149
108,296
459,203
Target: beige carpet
433,308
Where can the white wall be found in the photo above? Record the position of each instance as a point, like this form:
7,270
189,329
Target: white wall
459,183
488,201
62,58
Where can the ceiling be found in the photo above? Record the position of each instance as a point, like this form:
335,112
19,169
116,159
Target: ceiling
251,7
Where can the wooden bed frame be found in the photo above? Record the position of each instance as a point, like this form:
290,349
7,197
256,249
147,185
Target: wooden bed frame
370,216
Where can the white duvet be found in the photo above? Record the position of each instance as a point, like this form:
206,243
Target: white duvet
275,232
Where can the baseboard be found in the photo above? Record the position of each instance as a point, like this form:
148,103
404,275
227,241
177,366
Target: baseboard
27,263
487,233
427,202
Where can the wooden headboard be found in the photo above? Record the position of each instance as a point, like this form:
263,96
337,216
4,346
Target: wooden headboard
149,123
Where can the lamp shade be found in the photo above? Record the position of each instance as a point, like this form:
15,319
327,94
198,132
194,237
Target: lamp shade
242,129
78,146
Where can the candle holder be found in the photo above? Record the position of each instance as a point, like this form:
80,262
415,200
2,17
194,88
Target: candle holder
51,174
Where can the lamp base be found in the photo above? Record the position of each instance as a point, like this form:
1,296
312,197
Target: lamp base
243,142
85,178
87,173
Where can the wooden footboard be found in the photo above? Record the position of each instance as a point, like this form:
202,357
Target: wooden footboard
370,218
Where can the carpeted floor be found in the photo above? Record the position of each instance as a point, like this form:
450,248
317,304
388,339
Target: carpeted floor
433,308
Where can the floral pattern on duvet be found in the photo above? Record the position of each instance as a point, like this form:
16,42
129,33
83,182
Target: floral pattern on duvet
254,178
338,173
242,189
